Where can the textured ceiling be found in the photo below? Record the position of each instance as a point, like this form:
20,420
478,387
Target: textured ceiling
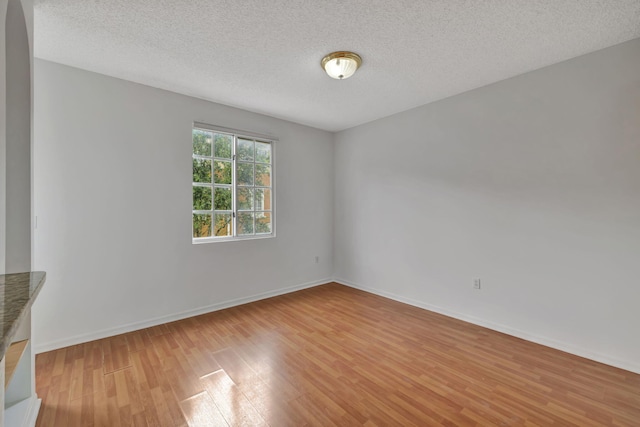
264,56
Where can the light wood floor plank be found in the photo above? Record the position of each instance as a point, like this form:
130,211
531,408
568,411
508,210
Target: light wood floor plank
200,410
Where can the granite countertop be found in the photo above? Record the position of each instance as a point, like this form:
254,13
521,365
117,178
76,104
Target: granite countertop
17,293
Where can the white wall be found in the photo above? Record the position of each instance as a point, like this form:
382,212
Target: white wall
531,184
17,164
112,193
3,136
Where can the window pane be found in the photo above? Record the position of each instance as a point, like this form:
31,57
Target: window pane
222,199
222,172
245,199
232,192
245,150
263,175
201,170
245,174
263,222
201,225
201,198
223,225
263,199
223,145
245,223
263,152
202,142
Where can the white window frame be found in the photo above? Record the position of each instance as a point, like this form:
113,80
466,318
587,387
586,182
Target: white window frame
236,134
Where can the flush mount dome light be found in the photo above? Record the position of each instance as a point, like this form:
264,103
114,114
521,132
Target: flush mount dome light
341,65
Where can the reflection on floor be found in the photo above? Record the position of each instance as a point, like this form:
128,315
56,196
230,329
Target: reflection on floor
325,356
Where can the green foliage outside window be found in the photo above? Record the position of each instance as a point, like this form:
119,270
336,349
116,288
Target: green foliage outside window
213,185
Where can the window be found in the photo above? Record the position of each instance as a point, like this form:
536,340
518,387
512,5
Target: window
232,185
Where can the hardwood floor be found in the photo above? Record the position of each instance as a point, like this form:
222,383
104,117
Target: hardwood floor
329,355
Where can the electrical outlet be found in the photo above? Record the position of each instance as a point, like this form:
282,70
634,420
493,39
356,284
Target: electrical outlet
476,283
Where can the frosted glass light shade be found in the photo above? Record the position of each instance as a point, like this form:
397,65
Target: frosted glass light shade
341,65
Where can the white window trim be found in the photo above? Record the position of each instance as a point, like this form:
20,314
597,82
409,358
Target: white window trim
248,135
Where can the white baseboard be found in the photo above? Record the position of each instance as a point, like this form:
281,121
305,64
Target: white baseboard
632,366
130,327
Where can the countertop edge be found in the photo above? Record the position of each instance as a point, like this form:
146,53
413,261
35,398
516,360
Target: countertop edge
7,338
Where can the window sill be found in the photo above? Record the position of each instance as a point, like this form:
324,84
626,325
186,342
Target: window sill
205,240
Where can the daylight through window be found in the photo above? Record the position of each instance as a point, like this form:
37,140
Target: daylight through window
232,186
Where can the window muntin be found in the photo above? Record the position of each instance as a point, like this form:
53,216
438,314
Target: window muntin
232,186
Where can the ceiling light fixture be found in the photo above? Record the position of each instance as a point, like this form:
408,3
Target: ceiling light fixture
341,65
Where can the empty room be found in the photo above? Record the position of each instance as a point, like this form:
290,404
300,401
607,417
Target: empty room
322,213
